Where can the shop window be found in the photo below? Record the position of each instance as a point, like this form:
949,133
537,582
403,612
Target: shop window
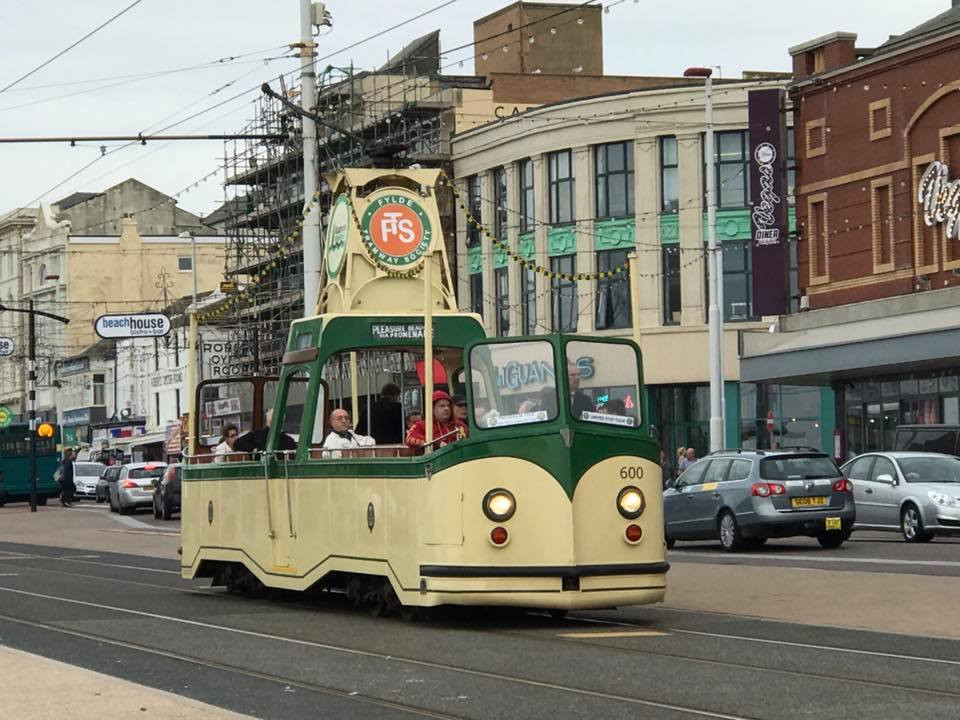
613,293
475,205
670,268
501,282
614,174
500,203
669,166
528,298
563,294
527,221
561,187
476,293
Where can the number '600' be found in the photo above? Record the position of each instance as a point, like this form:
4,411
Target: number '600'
631,472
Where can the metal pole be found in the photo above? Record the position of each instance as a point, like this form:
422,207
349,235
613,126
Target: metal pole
193,268
32,398
312,250
713,312
193,421
428,346
634,263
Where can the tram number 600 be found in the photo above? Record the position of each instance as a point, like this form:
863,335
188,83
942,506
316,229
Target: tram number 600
631,472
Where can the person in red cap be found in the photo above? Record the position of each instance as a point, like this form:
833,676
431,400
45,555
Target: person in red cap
445,429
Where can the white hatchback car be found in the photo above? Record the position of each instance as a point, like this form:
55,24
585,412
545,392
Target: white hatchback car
85,477
916,493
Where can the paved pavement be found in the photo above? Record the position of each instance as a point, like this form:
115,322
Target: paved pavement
717,649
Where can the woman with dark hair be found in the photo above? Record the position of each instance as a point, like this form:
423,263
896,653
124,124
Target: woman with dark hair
228,439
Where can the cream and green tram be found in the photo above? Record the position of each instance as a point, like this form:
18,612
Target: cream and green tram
552,500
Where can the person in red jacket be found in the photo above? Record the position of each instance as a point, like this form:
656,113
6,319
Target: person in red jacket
445,429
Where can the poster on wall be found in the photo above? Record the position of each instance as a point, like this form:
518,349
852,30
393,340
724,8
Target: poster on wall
768,201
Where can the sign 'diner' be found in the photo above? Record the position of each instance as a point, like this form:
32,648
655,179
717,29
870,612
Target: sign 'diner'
940,197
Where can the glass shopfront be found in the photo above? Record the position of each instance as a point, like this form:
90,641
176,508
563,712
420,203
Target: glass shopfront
873,408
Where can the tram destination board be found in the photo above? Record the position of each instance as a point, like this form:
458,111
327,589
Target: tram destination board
398,331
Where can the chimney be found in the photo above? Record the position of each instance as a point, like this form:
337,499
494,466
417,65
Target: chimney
824,53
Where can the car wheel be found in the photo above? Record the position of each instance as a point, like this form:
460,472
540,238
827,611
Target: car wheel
670,542
156,509
730,538
911,525
830,540
167,510
42,500
757,542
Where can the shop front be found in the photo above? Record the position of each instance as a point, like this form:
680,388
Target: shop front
76,424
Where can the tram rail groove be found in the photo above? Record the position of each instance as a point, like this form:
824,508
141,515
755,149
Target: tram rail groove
443,667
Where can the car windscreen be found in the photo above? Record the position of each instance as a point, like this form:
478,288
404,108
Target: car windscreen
86,468
145,472
798,467
930,469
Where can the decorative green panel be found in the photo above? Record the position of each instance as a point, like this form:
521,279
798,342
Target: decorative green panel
615,234
670,229
731,225
562,240
475,259
499,256
528,246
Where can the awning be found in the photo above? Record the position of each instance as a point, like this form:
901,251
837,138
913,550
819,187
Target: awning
127,443
846,350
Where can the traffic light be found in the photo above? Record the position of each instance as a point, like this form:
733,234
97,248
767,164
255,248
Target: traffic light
45,430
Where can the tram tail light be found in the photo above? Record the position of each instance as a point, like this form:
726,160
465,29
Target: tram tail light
499,536
633,533
843,485
767,489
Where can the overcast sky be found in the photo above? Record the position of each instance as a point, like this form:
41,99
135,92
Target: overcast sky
641,37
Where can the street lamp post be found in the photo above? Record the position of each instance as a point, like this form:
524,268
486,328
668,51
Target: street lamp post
713,265
32,388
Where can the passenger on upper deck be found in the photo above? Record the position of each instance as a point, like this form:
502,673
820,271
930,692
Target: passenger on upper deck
341,436
385,424
579,401
446,429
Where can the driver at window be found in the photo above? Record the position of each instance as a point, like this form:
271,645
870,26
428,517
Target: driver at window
579,400
446,429
342,436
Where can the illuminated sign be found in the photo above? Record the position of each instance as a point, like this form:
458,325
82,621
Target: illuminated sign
337,228
396,230
129,326
940,197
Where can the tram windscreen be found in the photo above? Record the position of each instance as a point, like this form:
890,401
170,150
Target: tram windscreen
604,383
513,383
225,403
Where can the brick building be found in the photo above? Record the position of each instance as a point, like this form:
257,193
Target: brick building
877,273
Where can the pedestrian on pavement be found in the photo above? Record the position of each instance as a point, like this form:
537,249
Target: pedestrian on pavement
67,487
691,457
666,468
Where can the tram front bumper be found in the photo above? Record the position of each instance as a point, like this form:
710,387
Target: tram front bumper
554,587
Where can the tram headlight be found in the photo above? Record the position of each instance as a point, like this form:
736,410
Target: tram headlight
630,502
499,505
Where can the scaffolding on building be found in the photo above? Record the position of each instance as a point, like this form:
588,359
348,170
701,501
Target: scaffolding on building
405,107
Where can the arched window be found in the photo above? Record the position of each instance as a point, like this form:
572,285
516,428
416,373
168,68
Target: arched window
43,274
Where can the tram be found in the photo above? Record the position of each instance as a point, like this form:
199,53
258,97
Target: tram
15,465
550,497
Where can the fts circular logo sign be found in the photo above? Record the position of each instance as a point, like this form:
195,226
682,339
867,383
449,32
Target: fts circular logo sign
396,230
337,228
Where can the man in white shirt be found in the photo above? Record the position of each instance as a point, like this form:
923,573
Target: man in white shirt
342,436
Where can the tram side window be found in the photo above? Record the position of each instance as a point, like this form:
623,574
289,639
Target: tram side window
296,401
604,383
513,383
222,404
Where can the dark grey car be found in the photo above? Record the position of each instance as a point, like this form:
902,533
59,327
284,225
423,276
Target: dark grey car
744,497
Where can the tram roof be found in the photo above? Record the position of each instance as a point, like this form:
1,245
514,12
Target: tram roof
330,333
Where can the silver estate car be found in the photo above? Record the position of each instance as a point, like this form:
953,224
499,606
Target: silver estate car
744,497
133,486
916,493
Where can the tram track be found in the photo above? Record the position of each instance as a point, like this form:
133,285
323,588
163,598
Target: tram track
446,667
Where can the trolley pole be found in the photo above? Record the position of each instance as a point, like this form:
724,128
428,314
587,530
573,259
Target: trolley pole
32,386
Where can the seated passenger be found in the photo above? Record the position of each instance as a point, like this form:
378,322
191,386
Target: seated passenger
342,437
460,408
412,418
446,429
617,406
256,440
228,438
385,416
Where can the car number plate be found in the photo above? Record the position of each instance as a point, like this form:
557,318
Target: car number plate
808,501
834,524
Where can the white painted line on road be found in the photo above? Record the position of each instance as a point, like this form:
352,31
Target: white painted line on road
822,559
130,522
615,634
394,658
77,557
787,643
9,574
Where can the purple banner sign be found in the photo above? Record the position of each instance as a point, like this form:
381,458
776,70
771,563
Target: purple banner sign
768,201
